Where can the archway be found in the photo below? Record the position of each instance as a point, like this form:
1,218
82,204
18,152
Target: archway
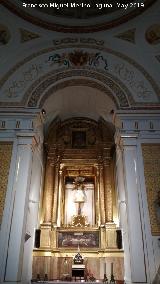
79,142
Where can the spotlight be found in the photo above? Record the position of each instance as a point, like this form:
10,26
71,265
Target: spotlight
43,111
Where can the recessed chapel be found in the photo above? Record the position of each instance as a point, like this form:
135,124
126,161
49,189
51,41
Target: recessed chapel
80,142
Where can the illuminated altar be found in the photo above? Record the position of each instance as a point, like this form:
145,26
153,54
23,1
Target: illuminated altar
79,210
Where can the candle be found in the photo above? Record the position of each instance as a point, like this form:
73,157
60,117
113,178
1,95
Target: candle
112,268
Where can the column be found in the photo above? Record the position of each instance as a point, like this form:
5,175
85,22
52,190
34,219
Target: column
33,214
97,198
55,196
101,200
122,210
48,200
60,215
108,192
21,195
48,191
129,208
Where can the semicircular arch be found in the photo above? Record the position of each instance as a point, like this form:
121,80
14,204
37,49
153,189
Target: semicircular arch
53,82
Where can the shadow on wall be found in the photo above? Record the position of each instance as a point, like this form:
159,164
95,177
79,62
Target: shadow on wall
157,278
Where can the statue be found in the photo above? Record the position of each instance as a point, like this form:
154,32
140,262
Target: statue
65,272
80,196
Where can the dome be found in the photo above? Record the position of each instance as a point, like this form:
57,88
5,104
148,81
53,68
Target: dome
76,15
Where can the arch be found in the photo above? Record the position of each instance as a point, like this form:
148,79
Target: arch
52,82
77,71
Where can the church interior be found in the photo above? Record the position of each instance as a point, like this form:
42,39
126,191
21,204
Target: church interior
80,142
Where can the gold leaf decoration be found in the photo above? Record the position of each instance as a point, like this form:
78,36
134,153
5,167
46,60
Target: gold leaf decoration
4,35
151,159
27,35
5,159
153,34
128,35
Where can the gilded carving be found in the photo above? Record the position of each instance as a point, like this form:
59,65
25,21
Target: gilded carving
151,158
4,35
77,161
74,194
55,196
5,156
153,34
27,35
128,35
48,192
101,193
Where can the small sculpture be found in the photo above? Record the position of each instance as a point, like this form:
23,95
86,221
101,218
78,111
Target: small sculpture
78,259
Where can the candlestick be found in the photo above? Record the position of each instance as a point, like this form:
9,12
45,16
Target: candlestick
112,268
45,266
104,267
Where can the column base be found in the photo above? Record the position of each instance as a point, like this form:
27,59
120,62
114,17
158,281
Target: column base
130,282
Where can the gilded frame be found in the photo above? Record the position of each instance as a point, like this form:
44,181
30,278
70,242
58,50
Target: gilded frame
74,238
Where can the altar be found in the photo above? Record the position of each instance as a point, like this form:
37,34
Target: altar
78,271
79,212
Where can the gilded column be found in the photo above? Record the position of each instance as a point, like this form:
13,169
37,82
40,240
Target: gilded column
48,189
109,201
105,191
108,192
55,195
97,203
59,216
102,206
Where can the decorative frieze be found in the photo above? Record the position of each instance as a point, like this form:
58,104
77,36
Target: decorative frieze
79,58
27,124
72,40
14,124
137,122
132,79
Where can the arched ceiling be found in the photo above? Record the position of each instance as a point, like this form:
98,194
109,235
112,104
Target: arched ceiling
78,101
77,16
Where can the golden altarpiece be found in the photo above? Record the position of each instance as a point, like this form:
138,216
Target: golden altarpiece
78,210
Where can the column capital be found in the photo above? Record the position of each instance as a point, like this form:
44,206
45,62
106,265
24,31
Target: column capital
125,139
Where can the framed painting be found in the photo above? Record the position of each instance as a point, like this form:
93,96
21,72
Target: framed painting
82,239
78,139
